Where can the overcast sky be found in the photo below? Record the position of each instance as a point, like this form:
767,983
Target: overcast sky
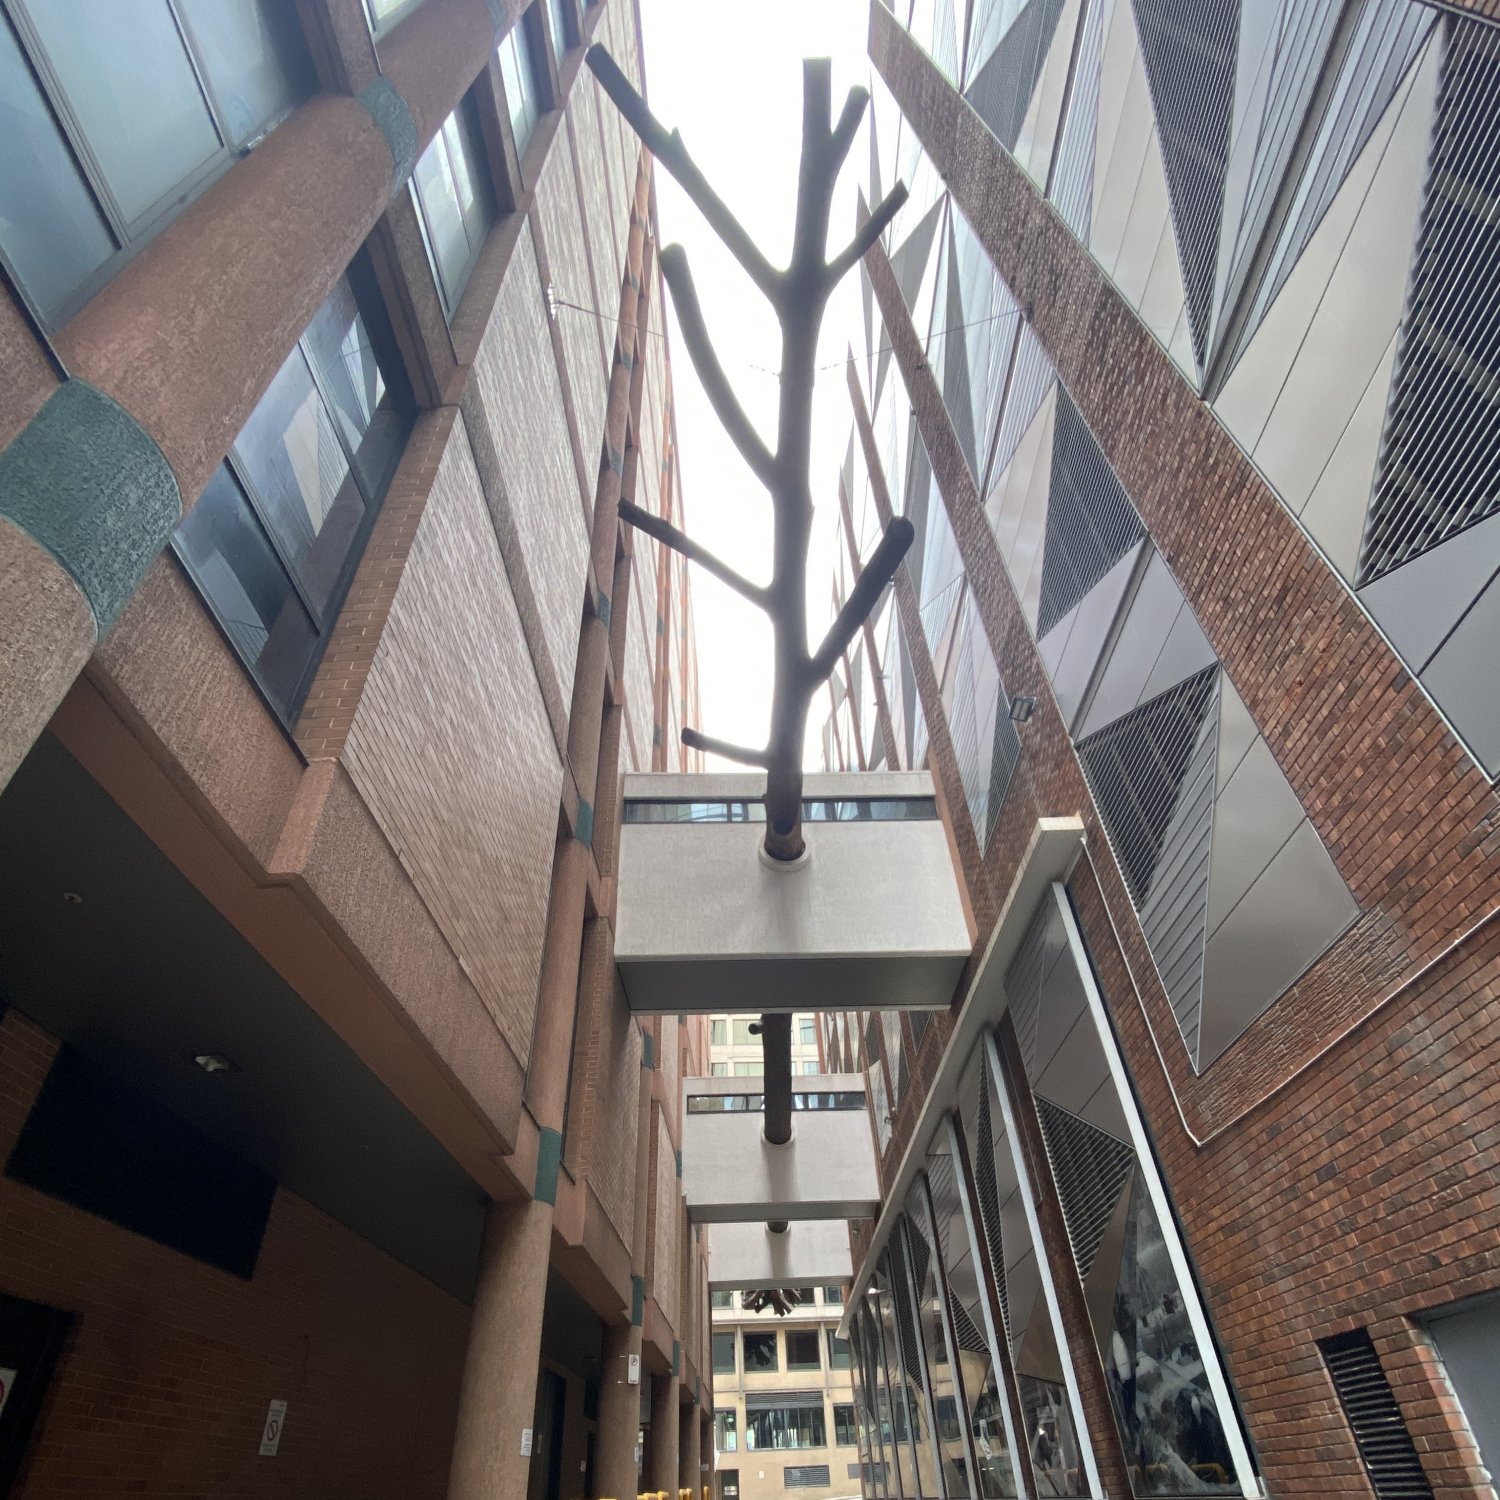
730,78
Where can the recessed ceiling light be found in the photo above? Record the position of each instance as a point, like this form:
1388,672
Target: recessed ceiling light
215,1062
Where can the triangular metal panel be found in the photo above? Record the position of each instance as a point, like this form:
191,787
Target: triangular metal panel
1188,47
1174,917
1091,523
1091,1169
1072,186
1001,90
1137,768
1440,462
1388,38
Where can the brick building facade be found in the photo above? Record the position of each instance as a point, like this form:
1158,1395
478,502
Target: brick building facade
331,335
1174,359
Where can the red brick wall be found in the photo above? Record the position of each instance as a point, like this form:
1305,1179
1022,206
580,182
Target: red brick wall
163,1387
1340,1165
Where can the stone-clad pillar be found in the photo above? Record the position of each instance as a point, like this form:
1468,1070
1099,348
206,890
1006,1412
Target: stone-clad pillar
689,1436
619,1416
166,363
500,1367
661,1472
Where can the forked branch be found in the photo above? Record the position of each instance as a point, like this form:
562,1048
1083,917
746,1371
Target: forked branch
798,295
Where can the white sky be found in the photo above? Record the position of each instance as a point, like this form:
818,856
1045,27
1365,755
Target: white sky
729,76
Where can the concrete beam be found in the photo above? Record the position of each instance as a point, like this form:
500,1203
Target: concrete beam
748,1257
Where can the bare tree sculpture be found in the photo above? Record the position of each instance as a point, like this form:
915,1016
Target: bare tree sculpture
798,295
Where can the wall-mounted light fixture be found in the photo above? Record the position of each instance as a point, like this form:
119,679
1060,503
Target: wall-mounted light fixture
1021,708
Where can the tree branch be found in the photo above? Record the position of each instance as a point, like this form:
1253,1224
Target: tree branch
669,150
678,541
674,267
878,572
695,741
843,133
868,232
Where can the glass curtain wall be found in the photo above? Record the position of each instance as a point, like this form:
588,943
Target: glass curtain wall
942,1376
905,1356
984,1402
1159,1380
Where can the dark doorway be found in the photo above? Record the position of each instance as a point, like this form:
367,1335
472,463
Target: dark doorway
31,1338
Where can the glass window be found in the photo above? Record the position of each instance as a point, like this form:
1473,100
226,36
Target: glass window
519,73
760,1352
109,131
718,1070
838,1349
384,14
723,1353
807,1031
749,1069
451,185
726,1431
254,59
721,1299
810,1067
129,83
802,1349
562,22
718,1033
833,1296
845,1434
743,1037
274,538
797,1424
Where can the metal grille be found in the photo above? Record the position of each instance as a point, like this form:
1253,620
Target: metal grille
969,1336
1385,1446
1072,185
1188,47
906,1328
1387,38
987,1185
1091,523
1023,987
1440,461
1091,1168
805,1476
1136,768
920,1021
1001,90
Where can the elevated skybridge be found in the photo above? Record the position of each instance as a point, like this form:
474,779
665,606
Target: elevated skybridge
737,1181
872,917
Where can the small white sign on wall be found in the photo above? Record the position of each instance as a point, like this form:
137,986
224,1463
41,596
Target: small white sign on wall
632,1369
525,1442
270,1437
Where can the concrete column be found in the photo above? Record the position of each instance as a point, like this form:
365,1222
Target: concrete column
498,1398
619,1416
689,1439
661,1472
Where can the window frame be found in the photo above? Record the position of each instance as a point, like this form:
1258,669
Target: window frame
746,1334
480,173
802,1336
726,1430
734,1353
850,1425
130,236
364,286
